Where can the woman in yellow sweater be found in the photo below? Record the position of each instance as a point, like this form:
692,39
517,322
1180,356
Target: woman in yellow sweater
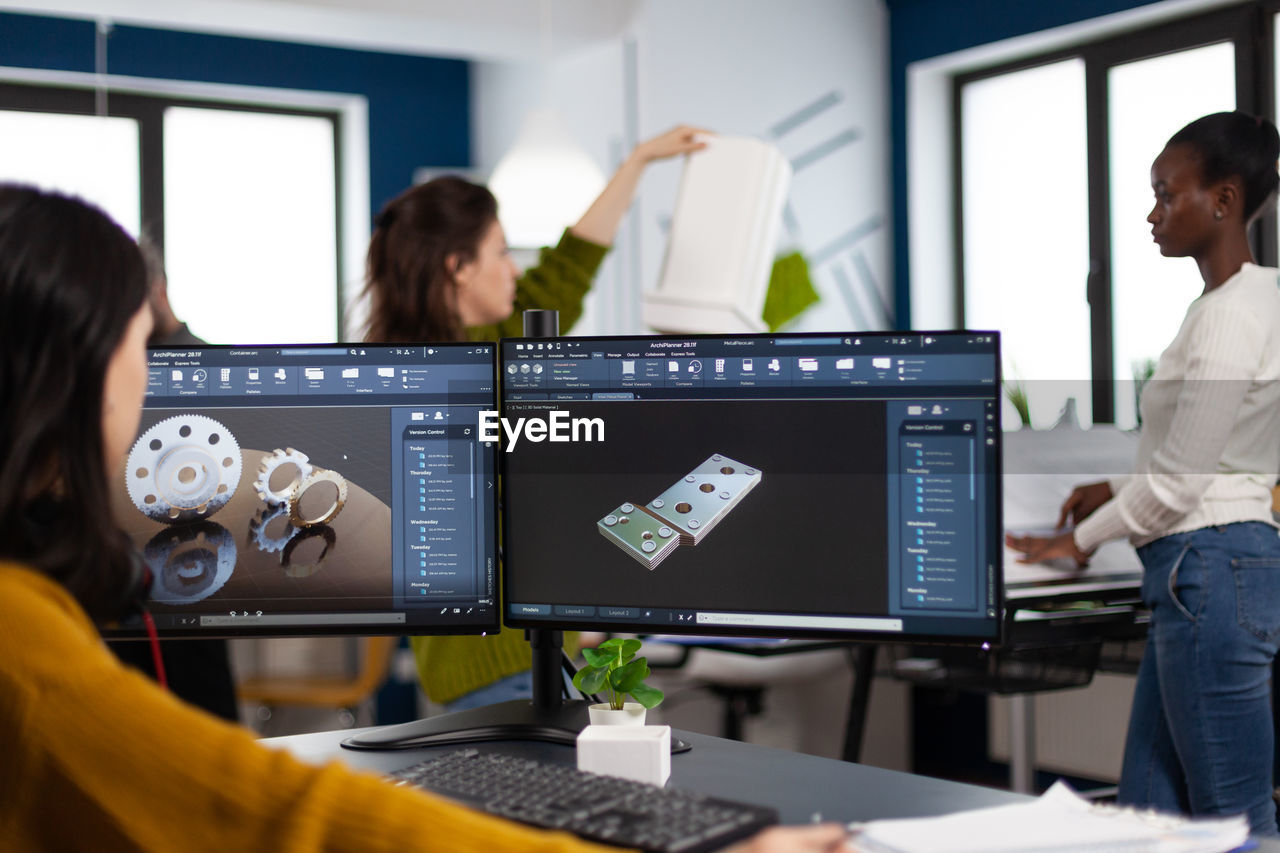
97,757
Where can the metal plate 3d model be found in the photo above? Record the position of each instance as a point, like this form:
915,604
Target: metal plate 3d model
638,532
683,514
703,497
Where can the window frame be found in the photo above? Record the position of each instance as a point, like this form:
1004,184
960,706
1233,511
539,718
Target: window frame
148,110
1248,26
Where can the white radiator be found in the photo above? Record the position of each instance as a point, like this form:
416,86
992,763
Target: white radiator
1078,732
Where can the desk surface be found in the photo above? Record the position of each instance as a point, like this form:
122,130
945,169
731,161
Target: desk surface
798,786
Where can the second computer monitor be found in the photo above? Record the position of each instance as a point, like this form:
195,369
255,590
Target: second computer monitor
774,486
315,490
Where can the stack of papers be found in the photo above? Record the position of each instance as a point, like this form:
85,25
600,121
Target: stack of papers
1060,820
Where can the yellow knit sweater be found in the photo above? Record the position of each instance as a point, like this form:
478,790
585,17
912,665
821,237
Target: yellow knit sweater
97,757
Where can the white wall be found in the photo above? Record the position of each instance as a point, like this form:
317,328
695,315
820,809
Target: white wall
586,87
737,67
744,66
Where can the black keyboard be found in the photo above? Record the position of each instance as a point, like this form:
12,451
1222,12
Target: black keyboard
598,808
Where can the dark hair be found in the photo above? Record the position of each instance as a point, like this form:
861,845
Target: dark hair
153,259
71,280
409,283
1235,145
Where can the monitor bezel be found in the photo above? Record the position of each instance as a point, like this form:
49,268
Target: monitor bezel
992,639
133,628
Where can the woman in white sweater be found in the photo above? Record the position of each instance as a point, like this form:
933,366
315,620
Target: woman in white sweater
1198,505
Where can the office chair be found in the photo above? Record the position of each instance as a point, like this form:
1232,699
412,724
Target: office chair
345,695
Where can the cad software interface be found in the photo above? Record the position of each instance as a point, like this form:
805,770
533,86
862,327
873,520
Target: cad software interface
278,490
767,485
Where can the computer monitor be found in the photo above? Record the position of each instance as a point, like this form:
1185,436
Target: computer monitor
293,490
802,485
775,486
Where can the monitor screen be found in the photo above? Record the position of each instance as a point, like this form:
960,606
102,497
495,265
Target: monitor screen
277,490
772,485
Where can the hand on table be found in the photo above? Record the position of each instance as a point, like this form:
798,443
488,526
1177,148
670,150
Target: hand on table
1039,549
1082,501
1078,506
794,839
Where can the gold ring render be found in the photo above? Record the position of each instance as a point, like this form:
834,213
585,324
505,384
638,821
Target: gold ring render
317,475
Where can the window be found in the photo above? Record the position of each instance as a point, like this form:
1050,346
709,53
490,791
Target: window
243,199
1053,188
1150,99
1008,233
250,225
93,157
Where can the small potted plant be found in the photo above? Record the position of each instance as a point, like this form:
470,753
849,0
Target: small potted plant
613,668
1017,394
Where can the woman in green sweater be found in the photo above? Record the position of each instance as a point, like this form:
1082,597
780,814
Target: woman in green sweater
439,270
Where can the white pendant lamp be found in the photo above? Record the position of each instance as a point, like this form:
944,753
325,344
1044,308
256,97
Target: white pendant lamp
545,182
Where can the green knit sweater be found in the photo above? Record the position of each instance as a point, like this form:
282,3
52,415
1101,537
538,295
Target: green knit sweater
451,667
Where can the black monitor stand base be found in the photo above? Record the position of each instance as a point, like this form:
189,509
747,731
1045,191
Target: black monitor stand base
546,717
518,719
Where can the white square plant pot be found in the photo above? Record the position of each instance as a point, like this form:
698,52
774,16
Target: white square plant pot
642,753
631,714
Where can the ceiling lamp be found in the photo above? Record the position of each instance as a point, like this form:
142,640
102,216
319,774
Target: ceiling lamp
545,182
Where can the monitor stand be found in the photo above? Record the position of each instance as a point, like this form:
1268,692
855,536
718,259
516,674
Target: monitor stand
546,717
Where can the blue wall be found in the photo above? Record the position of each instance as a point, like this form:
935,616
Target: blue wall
419,107
920,29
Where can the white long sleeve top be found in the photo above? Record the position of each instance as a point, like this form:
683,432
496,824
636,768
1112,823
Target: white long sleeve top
1209,452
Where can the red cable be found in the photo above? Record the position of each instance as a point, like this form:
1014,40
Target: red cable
156,659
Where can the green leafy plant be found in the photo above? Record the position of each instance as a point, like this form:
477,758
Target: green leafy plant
614,668
1143,370
1017,394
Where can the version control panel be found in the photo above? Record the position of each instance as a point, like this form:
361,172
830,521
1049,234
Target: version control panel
942,491
446,481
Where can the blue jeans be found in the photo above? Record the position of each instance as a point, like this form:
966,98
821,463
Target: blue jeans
1200,736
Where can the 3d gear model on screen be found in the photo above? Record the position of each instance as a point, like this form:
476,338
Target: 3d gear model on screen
683,514
190,562
258,529
309,567
183,469
320,514
290,495
273,462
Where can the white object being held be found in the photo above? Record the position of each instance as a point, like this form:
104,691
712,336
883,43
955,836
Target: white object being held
724,233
